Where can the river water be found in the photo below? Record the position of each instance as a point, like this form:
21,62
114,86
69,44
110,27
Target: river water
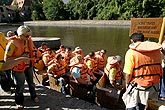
114,39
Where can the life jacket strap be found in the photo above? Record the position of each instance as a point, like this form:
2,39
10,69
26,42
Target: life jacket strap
145,65
145,75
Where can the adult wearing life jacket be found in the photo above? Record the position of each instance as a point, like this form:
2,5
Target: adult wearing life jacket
58,66
143,69
39,64
113,70
22,46
58,70
67,57
48,56
101,59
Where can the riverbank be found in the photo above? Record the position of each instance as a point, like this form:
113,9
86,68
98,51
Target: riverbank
82,23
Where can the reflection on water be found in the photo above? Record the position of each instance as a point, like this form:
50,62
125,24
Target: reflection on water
114,39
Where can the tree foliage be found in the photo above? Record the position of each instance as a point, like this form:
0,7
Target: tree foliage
54,9
100,9
37,12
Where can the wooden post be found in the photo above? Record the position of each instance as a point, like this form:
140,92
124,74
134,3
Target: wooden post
162,31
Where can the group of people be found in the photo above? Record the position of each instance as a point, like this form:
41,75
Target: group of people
65,65
142,69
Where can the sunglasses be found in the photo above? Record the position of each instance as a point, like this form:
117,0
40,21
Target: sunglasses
27,36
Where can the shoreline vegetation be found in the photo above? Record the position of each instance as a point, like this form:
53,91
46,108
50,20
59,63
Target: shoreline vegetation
80,23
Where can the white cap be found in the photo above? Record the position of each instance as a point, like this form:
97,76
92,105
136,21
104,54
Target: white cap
114,59
23,30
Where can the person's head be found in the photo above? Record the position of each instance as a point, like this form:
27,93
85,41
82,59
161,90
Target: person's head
10,34
24,32
44,45
68,50
58,57
91,54
78,50
62,47
103,52
135,37
49,51
114,59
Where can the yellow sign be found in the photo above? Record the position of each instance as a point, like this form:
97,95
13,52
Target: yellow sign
150,27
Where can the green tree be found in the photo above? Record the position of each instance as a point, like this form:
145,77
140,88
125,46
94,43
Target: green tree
54,9
109,10
78,9
152,8
37,12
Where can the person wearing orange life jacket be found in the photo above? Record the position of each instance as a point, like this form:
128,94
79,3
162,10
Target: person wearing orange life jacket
22,45
67,57
58,66
6,66
38,63
58,70
48,56
142,72
101,59
91,62
80,72
113,70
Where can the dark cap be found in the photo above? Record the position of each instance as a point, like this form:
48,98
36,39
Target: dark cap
44,43
137,37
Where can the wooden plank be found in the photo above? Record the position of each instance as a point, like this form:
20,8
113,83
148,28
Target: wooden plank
150,27
53,84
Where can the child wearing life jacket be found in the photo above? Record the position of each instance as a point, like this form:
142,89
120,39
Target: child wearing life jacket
113,70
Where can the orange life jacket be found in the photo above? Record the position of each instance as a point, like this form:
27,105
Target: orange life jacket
29,47
59,69
100,61
19,50
83,70
94,63
147,63
118,70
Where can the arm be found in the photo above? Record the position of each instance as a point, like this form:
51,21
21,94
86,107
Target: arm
112,75
128,66
127,79
10,63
